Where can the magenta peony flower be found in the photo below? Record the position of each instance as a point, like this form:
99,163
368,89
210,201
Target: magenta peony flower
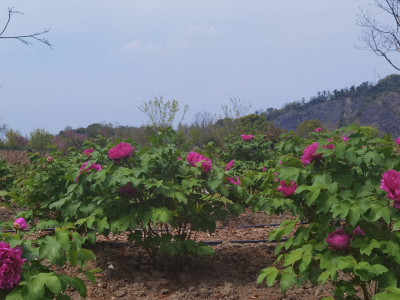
87,152
329,140
128,190
287,190
330,146
92,167
247,137
179,158
363,147
338,240
276,179
20,224
10,266
264,169
194,157
280,162
356,231
317,129
275,173
309,154
50,159
391,184
398,141
345,138
121,151
233,181
230,165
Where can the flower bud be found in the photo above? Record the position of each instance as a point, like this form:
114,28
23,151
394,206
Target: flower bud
20,224
50,159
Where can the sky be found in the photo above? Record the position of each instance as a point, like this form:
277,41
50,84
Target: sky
110,56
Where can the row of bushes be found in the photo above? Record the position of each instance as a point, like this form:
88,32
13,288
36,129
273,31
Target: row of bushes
341,184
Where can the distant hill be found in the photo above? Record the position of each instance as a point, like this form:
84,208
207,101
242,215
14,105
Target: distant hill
368,105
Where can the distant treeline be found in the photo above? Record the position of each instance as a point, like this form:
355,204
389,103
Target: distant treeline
367,90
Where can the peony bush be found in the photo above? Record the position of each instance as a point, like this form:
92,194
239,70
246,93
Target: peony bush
349,193
161,195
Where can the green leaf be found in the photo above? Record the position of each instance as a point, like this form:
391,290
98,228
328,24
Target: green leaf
378,269
270,273
344,287
366,244
286,280
52,282
63,240
80,286
162,214
50,250
324,276
89,276
313,194
392,293
181,197
364,271
293,256
86,255
289,173
125,222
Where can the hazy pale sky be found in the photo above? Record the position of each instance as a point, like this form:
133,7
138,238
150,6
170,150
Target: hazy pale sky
109,56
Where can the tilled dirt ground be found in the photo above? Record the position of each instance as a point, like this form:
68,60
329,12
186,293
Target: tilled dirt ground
129,273
15,156
231,273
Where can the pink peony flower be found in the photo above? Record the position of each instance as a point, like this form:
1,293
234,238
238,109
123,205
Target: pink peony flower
391,184
10,266
87,152
276,179
233,181
317,129
309,154
398,141
363,147
280,162
356,231
330,146
194,157
128,190
247,137
50,159
275,173
179,158
20,224
345,138
230,165
338,240
92,167
121,151
329,140
287,190
264,169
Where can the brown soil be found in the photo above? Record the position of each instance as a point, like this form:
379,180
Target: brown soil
129,273
15,156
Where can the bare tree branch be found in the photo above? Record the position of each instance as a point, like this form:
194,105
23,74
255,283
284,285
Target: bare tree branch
24,38
377,37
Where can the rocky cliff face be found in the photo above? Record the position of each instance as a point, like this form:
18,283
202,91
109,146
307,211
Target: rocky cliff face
383,114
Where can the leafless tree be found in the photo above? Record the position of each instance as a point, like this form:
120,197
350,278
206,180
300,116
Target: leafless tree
381,38
25,38
202,121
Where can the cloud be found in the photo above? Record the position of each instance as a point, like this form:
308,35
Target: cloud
135,45
183,39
